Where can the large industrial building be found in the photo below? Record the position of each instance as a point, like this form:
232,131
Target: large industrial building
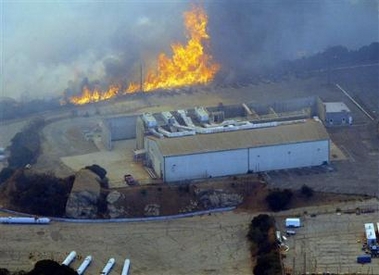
225,140
272,147
228,140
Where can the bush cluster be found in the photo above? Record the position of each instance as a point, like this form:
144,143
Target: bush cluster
40,194
279,199
25,145
43,267
307,191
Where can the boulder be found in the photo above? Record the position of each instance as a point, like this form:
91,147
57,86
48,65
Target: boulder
83,199
114,208
218,199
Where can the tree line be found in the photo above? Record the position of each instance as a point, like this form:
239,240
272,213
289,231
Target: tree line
332,57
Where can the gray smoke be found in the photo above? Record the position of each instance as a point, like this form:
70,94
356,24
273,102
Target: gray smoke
50,46
247,35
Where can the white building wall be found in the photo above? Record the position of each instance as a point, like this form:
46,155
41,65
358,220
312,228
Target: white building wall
213,164
155,157
288,156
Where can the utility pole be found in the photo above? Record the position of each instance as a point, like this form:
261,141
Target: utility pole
328,71
305,262
141,78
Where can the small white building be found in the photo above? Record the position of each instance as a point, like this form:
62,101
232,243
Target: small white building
337,114
370,233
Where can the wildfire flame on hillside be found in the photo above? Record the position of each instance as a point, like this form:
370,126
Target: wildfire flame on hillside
189,64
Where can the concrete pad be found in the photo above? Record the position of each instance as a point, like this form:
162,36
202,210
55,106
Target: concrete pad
117,163
336,153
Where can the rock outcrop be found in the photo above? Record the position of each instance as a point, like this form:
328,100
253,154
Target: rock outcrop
115,210
83,199
217,198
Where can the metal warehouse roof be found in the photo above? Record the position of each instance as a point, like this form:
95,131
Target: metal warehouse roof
310,130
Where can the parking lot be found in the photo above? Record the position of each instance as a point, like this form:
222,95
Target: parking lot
329,241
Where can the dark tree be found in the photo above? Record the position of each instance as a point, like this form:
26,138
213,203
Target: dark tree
25,146
307,191
45,267
40,194
5,174
263,222
264,248
278,200
268,264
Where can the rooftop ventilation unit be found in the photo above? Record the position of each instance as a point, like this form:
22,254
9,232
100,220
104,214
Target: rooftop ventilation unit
187,120
149,120
201,114
168,118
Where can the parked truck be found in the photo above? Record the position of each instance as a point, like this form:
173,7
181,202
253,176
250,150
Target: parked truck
130,180
293,222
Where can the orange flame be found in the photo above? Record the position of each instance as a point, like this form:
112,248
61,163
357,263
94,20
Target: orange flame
95,95
189,64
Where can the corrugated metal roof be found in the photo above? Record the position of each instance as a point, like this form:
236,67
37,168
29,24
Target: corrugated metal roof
201,143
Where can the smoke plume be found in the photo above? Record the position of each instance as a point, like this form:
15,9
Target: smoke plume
48,47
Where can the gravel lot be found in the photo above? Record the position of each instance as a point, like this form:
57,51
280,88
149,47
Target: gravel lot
214,244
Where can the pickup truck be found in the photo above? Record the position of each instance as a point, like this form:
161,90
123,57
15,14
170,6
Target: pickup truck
129,180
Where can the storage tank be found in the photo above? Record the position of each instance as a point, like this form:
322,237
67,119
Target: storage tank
25,220
107,268
84,265
125,269
69,258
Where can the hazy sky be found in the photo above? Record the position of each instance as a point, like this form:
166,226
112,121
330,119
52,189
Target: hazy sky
47,46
